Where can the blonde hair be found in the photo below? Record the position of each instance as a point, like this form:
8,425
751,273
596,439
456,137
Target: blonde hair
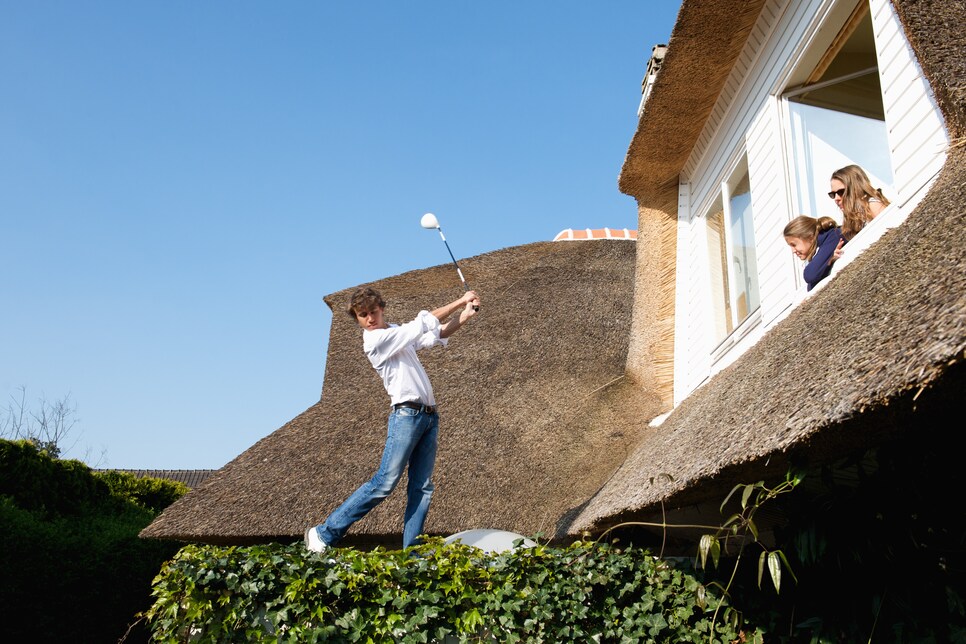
855,202
807,228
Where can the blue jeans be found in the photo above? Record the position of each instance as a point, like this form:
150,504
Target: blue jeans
411,440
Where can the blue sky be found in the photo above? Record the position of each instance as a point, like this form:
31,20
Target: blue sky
181,183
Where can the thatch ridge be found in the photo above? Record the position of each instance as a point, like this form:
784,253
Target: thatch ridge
536,414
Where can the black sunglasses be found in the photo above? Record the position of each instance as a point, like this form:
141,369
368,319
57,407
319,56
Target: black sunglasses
836,193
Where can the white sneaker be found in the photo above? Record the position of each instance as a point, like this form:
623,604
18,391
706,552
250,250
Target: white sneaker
313,542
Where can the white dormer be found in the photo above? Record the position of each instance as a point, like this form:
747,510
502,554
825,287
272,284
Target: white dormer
819,85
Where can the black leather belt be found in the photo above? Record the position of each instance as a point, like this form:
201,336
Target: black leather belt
412,404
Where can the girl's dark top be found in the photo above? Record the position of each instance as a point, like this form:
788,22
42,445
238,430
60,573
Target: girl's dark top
819,268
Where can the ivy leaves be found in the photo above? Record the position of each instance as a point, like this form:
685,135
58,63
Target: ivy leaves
278,593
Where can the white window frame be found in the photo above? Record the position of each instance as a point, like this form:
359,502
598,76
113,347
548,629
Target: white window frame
740,328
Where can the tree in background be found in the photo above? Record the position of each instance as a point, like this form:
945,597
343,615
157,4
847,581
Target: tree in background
48,426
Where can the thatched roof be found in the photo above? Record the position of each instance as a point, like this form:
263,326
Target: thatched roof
707,38
534,408
191,478
868,358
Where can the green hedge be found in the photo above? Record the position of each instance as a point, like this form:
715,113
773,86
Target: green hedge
149,493
73,567
38,483
585,592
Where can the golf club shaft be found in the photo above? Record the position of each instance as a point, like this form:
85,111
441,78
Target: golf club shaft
466,286
452,257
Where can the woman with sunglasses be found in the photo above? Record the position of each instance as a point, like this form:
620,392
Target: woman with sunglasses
856,198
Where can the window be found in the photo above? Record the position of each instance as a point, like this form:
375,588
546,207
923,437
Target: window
835,114
731,254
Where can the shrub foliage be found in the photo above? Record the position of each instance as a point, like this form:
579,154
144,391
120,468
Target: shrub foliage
434,592
148,493
73,567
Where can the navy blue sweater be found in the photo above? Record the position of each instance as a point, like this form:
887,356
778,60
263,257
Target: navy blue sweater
819,268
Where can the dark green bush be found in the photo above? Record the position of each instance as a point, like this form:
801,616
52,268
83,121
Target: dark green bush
37,482
880,549
74,569
149,493
585,592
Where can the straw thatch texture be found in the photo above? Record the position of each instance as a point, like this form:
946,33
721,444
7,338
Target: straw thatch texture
820,383
650,356
704,44
535,412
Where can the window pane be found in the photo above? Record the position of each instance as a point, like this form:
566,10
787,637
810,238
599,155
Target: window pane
718,263
845,79
823,141
744,263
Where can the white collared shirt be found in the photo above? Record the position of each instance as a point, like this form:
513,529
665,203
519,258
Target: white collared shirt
392,351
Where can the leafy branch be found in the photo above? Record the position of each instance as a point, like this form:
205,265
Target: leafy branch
741,524
739,528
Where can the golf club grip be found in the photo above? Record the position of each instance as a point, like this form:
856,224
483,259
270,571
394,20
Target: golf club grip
466,286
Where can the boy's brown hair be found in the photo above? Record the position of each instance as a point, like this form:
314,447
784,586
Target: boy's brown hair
364,299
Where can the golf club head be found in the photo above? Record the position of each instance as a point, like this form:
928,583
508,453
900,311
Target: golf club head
429,221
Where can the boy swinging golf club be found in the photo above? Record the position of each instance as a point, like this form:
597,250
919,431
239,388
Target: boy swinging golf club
413,422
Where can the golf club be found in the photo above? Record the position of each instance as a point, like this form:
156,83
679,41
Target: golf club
430,222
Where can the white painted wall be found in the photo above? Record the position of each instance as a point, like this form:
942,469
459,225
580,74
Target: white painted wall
690,353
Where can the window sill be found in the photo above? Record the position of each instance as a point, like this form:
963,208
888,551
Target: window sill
726,345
